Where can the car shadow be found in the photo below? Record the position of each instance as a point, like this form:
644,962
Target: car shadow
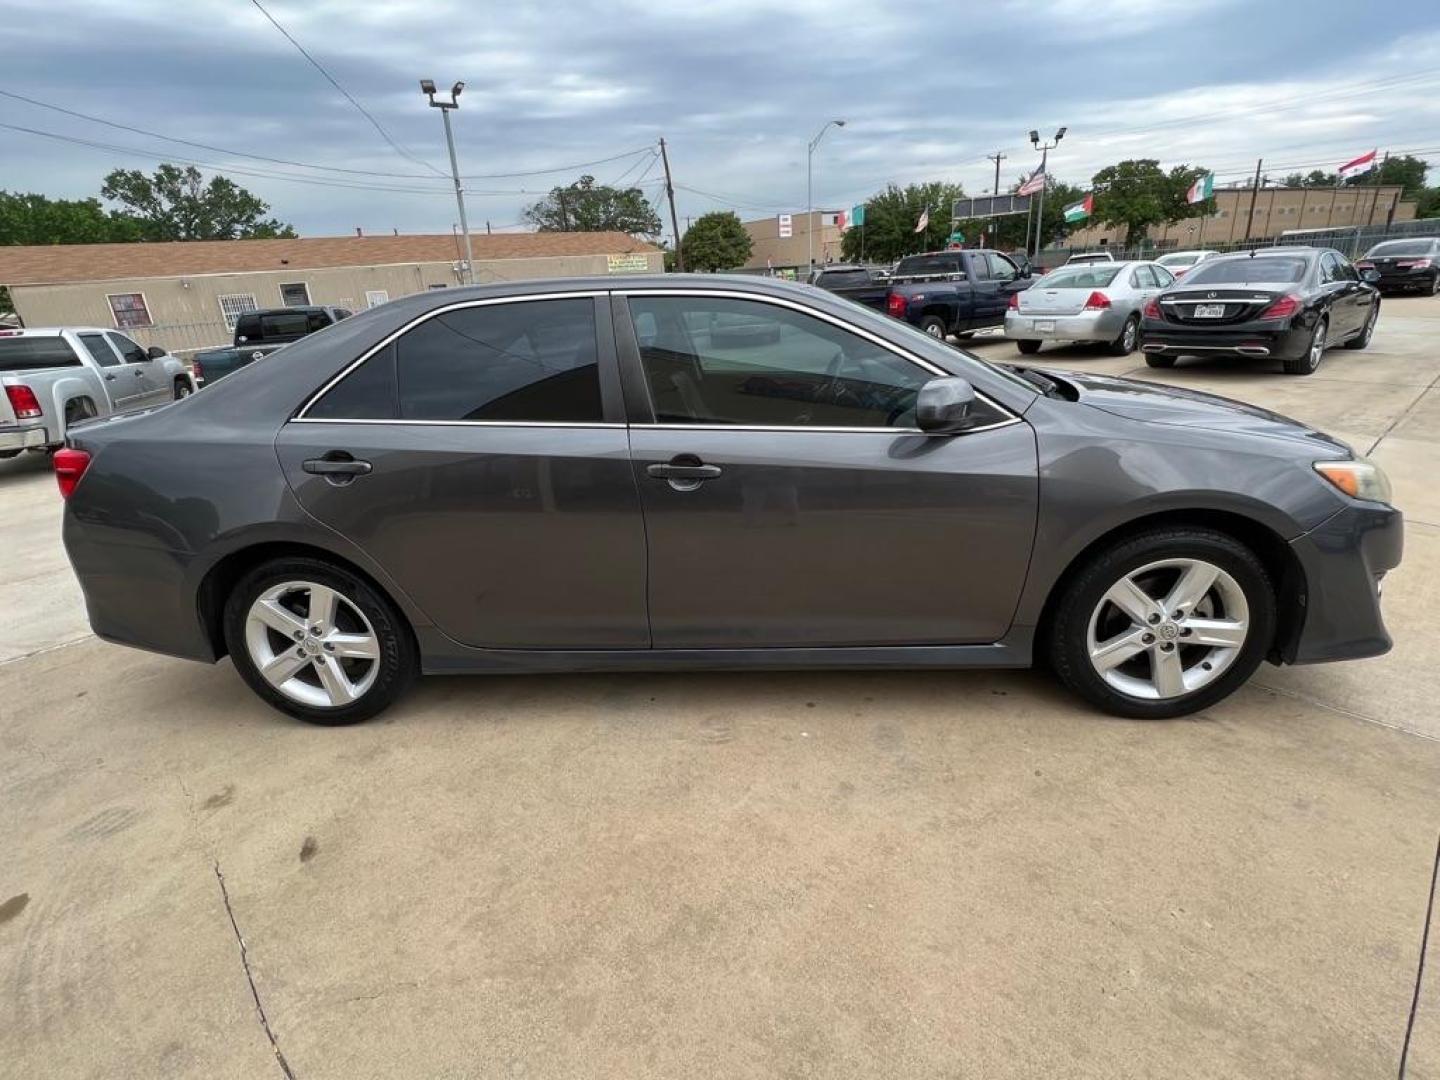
27,464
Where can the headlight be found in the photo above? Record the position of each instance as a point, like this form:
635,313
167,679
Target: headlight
1359,478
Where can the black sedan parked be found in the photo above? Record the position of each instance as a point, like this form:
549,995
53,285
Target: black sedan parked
1286,303
593,475
1405,265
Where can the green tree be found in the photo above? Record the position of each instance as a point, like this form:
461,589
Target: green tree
38,219
586,206
890,219
1137,194
717,241
1403,169
1427,203
178,204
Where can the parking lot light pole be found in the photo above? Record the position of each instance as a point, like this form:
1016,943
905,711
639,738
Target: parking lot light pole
427,87
1044,149
810,193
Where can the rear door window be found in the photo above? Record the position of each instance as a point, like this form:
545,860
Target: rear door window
100,352
523,362
26,353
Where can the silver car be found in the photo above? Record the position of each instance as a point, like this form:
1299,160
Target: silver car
1180,263
1087,302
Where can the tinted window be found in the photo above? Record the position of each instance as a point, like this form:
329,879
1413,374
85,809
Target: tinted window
367,393
1281,269
717,361
840,279
980,268
24,353
915,265
530,361
1184,259
274,326
1330,268
1163,276
1402,247
317,320
1082,276
343,313
101,353
128,350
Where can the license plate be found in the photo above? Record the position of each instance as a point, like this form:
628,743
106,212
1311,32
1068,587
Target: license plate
1209,311
1044,324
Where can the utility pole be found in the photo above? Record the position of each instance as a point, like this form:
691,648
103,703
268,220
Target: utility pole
427,87
1044,149
810,194
996,157
674,221
1254,191
564,214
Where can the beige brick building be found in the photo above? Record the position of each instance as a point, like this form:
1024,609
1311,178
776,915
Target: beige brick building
1276,210
184,296
771,249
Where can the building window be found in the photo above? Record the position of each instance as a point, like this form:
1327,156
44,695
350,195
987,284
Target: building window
233,305
129,310
295,295
376,297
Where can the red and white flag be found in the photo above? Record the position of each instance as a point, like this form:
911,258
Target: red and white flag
1034,184
924,222
1362,164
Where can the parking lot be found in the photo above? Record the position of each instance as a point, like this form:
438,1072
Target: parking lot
883,874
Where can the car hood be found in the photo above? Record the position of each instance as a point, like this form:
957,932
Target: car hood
1157,404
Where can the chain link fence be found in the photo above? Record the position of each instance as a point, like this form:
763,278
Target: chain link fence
183,339
1351,241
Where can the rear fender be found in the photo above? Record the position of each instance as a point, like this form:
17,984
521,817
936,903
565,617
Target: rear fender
72,388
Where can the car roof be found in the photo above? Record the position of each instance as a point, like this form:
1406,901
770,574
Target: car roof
282,310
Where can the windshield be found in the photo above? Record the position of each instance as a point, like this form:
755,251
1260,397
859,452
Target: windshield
839,279
1402,247
1080,277
1285,269
25,353
1178,260
929,264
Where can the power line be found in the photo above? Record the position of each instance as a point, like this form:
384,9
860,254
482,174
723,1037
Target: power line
345,93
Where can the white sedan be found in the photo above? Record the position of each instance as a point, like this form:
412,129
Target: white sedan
1095,302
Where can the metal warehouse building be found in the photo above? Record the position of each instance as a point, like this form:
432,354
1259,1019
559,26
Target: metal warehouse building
185,296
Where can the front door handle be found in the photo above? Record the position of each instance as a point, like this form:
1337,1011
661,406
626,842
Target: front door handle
109,378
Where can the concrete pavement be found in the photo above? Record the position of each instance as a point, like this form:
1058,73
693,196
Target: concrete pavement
798,875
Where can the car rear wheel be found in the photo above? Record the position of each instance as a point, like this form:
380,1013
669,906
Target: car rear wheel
1028,347
1309,360
1435,283
1164,623
1159,360
934,326
183,388
317,642
1362,339
1129,337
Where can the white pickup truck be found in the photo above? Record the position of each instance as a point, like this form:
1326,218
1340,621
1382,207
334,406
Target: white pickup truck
52,377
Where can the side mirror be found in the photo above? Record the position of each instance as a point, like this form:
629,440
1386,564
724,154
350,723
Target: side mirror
943,406
1024,272
155,352
1370,276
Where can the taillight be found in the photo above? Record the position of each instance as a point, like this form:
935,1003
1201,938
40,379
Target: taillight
1364,266
1097,301
1178,274
23,401
1283,308
197,370
1418,264
70,466
1014,304
895,305
1152,308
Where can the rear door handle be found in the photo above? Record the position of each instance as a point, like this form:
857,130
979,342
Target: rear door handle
109,378
337,467
683,472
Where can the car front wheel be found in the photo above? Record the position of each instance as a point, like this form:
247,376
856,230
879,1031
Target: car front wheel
1164,623
318,642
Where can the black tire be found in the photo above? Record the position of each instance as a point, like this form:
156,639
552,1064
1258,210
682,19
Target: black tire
965,335
1362,339
1028,347
934,326
1065,639
398,662
6,455
1307,363
183,387
1435,283
1127,340
1160,360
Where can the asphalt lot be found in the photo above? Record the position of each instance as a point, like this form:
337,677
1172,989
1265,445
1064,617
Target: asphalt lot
799,875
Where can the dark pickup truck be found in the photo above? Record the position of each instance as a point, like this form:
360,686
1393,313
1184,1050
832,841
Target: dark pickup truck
863,284
258,333
954,292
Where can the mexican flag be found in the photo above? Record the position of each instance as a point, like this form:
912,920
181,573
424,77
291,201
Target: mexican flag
1201,189
1081,210
1362,164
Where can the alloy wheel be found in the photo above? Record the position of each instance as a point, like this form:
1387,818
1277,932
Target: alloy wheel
312,644
1129,336
1317,345
935,330
1168,629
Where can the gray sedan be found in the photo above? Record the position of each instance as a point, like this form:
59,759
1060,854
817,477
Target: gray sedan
595,474
1088,302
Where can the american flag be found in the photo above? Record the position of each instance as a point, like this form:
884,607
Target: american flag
1034,184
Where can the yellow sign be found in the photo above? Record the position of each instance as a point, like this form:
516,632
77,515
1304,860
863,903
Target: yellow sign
627,264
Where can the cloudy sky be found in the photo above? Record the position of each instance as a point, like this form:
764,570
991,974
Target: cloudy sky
737,87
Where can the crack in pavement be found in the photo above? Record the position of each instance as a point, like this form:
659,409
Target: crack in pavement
46,649
245,963
1344,711
1420,965
1403,415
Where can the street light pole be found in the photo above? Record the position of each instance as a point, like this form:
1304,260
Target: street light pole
1044,149
810,193
427,87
